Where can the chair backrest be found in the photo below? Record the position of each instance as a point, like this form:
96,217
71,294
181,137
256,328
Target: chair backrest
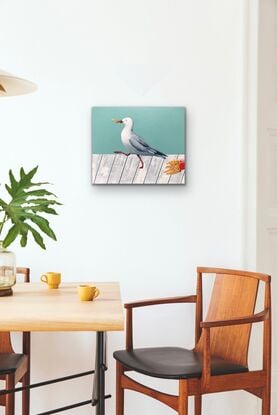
5,337
25,272
234,295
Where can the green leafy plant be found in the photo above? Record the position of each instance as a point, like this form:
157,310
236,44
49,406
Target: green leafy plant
28,201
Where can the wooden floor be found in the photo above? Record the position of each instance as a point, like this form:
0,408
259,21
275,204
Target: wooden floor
119,169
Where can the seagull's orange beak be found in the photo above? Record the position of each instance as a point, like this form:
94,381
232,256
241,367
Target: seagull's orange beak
117,121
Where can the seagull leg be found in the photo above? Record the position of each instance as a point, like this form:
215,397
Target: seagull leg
142,164
122,152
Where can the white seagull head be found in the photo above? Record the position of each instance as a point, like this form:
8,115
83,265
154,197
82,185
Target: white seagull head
127,121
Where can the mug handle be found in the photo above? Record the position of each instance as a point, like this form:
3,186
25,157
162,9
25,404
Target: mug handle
43,278
96,293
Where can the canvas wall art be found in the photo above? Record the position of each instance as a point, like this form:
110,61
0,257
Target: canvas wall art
138,145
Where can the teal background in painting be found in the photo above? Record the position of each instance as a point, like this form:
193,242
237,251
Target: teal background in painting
163,128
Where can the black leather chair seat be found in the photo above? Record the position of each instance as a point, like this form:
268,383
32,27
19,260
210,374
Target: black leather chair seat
9,362
173,363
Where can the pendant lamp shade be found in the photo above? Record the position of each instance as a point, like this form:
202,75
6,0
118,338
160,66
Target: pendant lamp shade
12,85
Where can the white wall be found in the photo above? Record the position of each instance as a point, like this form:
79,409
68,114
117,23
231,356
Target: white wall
158,52
266,162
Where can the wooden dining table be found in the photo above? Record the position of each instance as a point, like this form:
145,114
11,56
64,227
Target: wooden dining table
36,308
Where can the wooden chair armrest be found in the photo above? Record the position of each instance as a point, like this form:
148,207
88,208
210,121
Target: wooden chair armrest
255,318
157,301
129,312
207,325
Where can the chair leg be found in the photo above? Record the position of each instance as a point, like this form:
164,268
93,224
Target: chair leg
266,401
119,390
183,397
197,405
26,395
9,410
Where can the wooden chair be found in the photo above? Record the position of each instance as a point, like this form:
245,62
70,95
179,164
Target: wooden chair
219,360
15,367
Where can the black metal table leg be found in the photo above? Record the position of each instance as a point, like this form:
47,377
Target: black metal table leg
99,377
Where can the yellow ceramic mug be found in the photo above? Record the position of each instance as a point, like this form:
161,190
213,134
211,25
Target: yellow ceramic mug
52,279
87,292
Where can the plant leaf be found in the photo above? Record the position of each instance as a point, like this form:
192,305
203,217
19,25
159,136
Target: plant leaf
43,225
26,201
23,240
26,178
39,192
11,236
37,237
22,173
45,209
13,181
43,201
9,189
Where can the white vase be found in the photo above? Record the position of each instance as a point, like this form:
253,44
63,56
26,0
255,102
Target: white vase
7,271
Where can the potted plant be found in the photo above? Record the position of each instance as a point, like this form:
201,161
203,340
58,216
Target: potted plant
23,212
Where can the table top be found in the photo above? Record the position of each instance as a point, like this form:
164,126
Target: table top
35,307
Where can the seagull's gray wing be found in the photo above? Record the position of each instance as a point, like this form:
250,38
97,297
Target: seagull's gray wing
143,148
137,142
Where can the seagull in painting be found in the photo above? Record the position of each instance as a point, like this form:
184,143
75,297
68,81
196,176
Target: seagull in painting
134,143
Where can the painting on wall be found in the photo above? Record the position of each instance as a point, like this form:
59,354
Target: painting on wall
138,145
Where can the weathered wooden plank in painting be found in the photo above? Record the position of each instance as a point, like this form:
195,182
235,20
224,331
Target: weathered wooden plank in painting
129,170
96,159
104,169
141,173
120,169
117,169
154,170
